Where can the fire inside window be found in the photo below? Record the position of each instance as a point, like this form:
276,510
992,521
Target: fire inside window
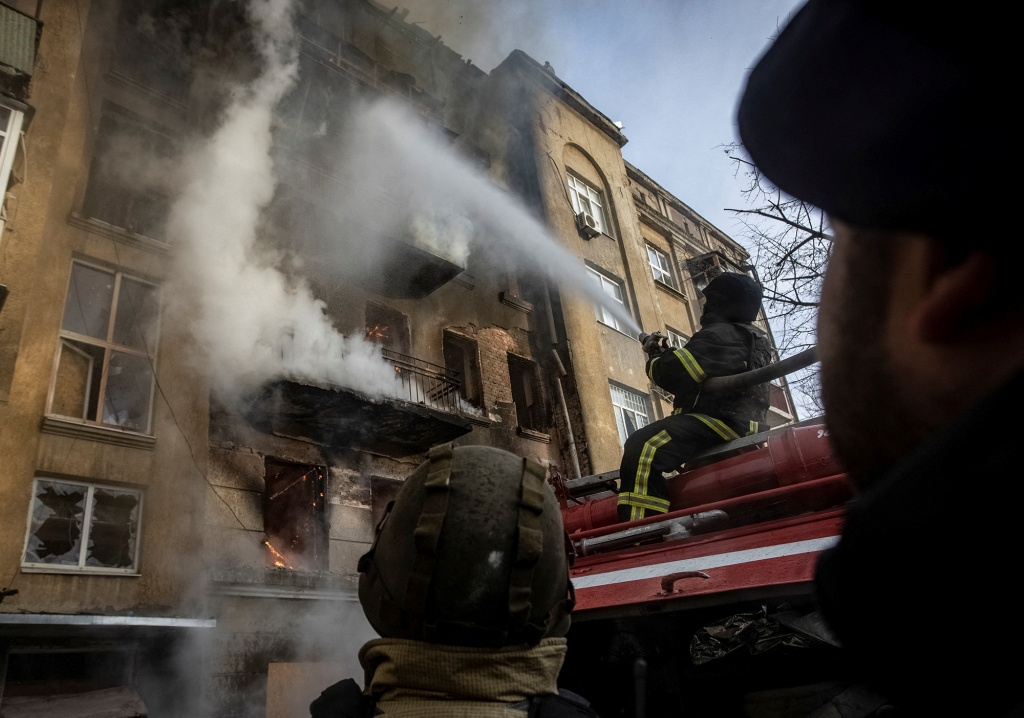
294,513
526,393
387,327
108,341
586,202
660,266
77,526
630,411
614,290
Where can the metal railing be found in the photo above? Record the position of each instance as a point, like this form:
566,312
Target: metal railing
428,384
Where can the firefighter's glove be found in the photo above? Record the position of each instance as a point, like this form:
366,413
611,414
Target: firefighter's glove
654,344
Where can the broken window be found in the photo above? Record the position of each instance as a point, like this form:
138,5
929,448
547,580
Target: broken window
660,266
526,393
631,411
151,39
83,526
293,516
130,171
460,355
586,200
108,337
387,327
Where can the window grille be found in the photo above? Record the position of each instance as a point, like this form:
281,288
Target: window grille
631,411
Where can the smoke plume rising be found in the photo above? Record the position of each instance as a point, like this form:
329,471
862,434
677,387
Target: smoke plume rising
246,305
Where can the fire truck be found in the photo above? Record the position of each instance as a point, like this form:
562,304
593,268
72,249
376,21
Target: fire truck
708,610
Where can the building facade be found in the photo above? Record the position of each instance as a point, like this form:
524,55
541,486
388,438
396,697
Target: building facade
161,544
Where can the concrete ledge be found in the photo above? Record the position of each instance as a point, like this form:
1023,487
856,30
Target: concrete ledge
56,619
516,303
94,432
533,435
118,234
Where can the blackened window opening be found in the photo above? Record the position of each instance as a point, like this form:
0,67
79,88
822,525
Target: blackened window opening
63,672
526,393
153,38
129,178
460,355
387,327
294,517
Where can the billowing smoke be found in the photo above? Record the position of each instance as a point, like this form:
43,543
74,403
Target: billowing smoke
253,322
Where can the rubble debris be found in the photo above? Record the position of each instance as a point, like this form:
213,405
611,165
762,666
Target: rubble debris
755,631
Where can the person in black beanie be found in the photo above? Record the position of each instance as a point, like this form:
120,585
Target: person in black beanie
727,343
884,115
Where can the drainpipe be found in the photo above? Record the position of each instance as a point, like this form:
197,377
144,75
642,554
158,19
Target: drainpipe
558,383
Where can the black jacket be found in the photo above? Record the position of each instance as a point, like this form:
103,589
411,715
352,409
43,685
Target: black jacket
720,348
923,589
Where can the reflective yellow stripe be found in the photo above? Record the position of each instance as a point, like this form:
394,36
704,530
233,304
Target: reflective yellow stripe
643,469
650,368
635,513
754,428
717,426
677,411
652,503
691,365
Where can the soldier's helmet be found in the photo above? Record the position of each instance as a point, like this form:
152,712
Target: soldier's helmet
470,553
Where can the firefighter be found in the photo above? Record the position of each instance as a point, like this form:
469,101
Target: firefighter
467,583
726,344
885,116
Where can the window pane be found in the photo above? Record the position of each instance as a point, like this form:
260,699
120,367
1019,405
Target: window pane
138,306
129,385
113,529
56,532
88,306
77,385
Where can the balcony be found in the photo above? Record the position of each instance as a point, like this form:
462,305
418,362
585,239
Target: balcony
428,411
19,39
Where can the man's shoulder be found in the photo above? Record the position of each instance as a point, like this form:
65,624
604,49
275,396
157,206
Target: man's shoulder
723,332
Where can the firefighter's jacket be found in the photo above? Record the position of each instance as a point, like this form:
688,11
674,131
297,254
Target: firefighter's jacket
720,348
408,679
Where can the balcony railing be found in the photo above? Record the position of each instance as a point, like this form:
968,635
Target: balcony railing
428,384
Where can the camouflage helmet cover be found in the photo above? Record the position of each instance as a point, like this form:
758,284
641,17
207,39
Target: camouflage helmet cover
471,553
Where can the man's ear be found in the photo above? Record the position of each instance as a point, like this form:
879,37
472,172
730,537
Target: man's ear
953,293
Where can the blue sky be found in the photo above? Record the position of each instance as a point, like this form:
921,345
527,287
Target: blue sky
671,72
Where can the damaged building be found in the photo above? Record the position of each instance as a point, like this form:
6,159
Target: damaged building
161,550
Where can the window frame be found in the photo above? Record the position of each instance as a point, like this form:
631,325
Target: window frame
601,217
666,270
619,406
87,521
109,346
599,311
673,333
10,137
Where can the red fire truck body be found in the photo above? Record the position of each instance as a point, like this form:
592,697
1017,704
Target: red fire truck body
747,524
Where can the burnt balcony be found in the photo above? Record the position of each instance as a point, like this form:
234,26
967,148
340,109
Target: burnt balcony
428,411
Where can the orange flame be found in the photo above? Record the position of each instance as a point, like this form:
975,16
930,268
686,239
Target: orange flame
280,559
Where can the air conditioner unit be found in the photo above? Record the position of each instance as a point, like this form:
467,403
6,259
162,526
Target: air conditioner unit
587,225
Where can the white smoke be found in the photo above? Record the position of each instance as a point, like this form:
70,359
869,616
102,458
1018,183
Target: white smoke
392,158
253,323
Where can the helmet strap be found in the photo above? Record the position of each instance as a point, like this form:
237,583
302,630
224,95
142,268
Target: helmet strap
427,534
528,552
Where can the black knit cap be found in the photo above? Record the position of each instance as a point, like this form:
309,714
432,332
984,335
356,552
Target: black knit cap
874,111
731,297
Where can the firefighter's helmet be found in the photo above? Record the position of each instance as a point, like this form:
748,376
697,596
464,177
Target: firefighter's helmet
471,553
